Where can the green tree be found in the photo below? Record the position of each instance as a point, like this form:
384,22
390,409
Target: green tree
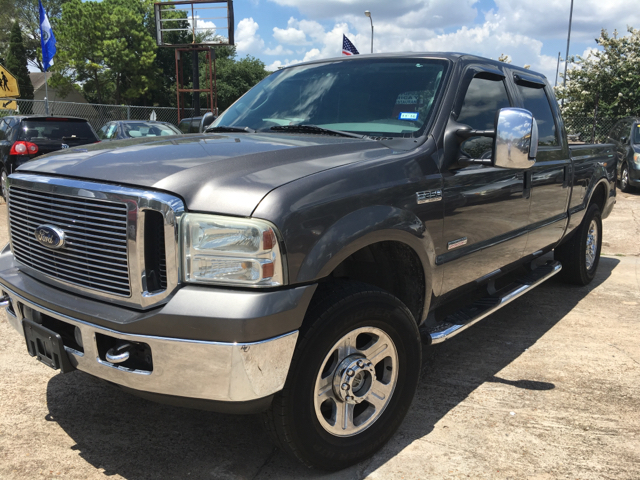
7,17
27,14
105,47
609,76
16,62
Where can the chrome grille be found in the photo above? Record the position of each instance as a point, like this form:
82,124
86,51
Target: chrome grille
95,252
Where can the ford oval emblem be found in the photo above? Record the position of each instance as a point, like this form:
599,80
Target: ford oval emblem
50,236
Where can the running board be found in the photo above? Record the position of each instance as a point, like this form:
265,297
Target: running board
469,315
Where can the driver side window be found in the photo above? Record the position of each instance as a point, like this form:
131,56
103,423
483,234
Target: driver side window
483,99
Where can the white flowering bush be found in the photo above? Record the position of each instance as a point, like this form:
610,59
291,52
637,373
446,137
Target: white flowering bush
609,75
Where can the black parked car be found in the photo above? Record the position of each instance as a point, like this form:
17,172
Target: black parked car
625,135
196,124
25,137
122,129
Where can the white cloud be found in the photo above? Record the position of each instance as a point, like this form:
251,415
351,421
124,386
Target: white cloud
517,29
274,66
312,54
550,18
386,10
290,36
279,50
247,39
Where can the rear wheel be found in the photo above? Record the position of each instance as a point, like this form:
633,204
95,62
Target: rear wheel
580,256
352,377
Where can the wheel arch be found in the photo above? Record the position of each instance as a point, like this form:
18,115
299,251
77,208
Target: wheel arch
384,246
599,194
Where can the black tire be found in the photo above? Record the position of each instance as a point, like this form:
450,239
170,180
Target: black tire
624,179
339,309
577,268
3,178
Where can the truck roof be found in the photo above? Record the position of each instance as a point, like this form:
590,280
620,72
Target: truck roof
453,56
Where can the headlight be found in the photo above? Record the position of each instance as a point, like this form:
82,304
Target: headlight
636,158
229,251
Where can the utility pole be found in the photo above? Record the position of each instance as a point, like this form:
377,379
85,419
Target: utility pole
566,59
557,69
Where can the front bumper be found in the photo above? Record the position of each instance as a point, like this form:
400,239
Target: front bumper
236,370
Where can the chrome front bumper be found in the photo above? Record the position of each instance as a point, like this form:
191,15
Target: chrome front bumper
219,371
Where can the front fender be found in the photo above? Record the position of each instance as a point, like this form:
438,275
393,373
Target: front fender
364,227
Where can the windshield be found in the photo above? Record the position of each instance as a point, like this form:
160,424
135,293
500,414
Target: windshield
378,97
58,130
142,129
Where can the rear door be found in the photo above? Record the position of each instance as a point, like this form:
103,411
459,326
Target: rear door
550,176
486,211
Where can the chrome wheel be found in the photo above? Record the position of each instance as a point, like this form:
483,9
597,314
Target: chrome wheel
4,185
624,178
356,381
592,245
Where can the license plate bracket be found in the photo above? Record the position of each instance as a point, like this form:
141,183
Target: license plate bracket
46,345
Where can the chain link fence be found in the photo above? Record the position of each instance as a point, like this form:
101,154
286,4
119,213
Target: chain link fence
96,114
586,130
580,129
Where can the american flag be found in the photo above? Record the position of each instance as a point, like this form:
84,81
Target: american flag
348,48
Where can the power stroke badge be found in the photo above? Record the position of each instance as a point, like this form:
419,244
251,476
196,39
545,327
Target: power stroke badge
50,236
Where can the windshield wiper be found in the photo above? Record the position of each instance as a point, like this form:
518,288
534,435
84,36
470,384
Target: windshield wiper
224,128
314,129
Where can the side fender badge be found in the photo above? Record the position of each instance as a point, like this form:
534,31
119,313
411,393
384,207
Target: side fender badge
457,243
428,196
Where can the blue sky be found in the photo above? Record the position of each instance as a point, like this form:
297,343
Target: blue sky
283,32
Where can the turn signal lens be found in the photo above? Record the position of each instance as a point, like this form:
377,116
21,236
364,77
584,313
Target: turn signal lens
24,148
636,158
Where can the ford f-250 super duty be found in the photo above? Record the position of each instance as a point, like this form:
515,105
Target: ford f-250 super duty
292,260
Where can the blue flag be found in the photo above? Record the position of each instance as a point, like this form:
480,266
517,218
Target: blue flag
47,40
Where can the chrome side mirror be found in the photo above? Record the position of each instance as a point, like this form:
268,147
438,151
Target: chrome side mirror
516,143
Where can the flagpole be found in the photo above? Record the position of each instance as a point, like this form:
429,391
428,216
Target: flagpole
46,94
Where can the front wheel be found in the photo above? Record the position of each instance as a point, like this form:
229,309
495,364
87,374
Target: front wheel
3,180
624,179
352,377
580,256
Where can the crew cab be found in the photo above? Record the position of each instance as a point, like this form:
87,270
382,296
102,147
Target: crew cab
293,260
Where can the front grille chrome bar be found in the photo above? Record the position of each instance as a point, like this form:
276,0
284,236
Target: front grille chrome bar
104,252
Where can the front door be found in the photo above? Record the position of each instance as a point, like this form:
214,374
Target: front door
486,209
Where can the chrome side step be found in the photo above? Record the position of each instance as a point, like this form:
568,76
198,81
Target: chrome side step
469,315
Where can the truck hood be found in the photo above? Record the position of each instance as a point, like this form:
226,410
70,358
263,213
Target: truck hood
228,173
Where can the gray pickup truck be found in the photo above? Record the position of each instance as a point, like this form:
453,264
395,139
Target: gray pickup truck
293,260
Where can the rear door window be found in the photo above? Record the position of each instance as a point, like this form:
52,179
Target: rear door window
535,100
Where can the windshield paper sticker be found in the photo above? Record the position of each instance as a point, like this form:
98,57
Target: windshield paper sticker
408,116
